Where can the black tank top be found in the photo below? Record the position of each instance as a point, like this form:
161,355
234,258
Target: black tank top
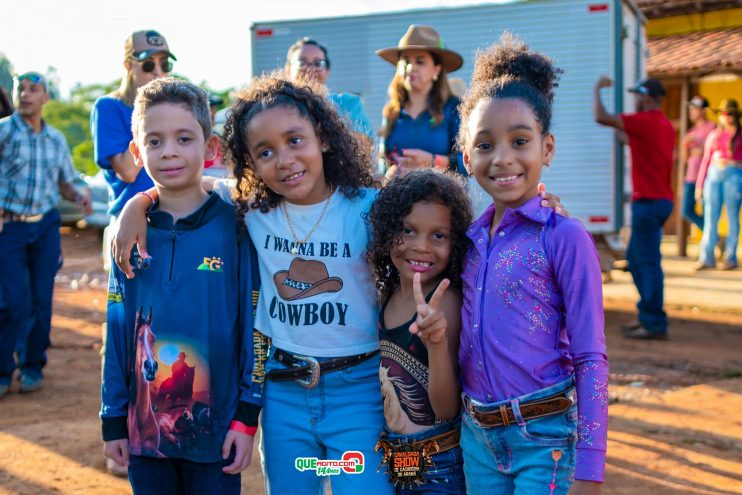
404,377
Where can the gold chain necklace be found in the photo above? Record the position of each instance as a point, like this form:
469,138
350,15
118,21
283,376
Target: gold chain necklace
297,242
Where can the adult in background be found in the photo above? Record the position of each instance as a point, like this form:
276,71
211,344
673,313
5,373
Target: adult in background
420,119
720,183
308,59
35,168
692,155
146,57
651,141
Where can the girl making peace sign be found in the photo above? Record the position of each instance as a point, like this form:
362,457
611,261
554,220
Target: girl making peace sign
418,240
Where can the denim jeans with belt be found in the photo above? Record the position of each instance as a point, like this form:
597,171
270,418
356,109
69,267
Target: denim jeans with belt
723,187
343,413
447,477
29,259
525,458
645,260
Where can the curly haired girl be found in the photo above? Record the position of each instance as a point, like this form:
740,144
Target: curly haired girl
418,240
532,357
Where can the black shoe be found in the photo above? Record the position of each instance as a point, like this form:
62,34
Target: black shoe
729,265
631,326
642,333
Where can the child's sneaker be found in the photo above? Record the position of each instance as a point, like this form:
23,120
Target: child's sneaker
30,384
4,388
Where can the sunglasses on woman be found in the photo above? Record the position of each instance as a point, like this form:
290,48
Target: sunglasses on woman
149,65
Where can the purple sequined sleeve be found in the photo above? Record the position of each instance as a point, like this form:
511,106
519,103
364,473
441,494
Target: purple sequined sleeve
577,268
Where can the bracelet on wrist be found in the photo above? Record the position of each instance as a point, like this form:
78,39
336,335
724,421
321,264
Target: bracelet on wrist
241,427
148,195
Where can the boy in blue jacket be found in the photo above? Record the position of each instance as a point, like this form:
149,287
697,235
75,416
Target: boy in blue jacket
180,397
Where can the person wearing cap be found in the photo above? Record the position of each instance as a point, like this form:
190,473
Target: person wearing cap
147,57
692,154
215,167
420,119
719,183
307,59
652,142
35,169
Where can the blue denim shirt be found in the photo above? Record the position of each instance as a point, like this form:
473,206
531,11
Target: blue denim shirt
423,133
351,106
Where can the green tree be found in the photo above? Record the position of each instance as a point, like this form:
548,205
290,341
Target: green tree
73,120
87,94
6,73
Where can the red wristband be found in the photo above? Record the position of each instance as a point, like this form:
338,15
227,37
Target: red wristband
146,193
439,162
241,427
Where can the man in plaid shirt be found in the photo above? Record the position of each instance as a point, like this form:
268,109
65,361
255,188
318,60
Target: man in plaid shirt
35,168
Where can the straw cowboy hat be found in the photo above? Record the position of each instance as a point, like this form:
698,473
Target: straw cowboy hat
728,105
305,278
420,37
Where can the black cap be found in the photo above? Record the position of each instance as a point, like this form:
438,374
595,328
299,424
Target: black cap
652,87
698,102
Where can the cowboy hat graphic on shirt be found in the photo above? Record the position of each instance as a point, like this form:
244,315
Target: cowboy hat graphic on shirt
305,278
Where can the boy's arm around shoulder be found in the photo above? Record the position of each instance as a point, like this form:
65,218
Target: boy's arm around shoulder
115,379
253,345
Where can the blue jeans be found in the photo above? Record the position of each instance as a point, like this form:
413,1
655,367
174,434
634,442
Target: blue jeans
689,205
526,458
645,260
29,259
152,476
723,187
342,413
447,477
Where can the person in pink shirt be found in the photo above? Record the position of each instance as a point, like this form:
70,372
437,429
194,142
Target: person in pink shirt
692,155
719,183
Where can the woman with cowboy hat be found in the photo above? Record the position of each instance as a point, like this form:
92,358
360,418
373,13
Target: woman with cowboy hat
420,120
720,183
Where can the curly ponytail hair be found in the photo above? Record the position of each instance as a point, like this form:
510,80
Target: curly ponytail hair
347,162
395,202
509,69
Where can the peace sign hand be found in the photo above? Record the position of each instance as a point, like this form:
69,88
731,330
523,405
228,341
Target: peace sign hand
431,322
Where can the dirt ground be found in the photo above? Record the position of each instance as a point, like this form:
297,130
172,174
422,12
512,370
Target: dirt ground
675,420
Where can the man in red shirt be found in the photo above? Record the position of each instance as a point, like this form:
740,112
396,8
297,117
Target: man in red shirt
652,141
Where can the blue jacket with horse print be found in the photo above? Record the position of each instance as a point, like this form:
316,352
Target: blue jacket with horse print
182,359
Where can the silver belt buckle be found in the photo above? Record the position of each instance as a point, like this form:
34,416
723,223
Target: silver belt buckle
314,372
469,406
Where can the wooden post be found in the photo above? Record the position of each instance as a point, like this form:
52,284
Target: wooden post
682,228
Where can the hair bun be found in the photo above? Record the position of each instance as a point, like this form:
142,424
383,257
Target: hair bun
510,58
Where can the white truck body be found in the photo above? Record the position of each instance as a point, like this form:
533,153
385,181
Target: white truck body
586,38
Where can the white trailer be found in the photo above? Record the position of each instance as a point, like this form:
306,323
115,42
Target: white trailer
586,38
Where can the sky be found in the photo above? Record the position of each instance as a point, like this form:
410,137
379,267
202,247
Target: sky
84,39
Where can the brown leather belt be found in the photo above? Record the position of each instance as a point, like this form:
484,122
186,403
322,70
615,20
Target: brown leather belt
504,416
435,445
9,216
306,370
